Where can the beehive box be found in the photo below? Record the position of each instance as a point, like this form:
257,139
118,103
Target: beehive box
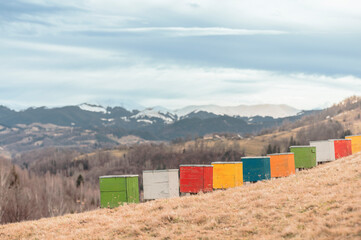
342,147
256,168
355,143
195,178
227,174
160,184
118,189
325,150
305,156
282,164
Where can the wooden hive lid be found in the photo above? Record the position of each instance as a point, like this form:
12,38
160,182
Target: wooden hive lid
118,176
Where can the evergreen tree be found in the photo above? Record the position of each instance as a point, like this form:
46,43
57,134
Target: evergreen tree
269,149
79,181
346,133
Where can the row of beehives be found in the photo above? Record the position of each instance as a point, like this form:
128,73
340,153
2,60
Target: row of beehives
222,175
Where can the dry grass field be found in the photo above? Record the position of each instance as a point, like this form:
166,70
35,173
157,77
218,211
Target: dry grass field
321,203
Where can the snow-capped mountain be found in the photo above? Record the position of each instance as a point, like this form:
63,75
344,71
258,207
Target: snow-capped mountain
83,124
92,108
150,115
94,115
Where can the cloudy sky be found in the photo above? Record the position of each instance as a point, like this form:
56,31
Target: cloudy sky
173,53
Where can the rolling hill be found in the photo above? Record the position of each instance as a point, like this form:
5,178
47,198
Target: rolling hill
321,203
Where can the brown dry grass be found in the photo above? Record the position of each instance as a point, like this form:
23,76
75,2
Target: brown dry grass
350,120
252,146
321,203
114,152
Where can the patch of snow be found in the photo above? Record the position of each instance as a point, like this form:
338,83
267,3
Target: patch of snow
356,100
107,119
125,119
92,108
145,120
155,113
159,109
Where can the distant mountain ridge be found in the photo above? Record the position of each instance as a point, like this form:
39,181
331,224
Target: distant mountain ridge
263,110
89,114
91,125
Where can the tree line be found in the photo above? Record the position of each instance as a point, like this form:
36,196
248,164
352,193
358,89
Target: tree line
24,195
53,181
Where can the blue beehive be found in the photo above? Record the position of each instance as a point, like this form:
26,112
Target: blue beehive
256,169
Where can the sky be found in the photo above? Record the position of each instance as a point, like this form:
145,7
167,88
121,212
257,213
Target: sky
303,53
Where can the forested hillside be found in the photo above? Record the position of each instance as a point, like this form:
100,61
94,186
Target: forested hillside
66,181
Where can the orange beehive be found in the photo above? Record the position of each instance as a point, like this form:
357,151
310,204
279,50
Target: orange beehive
282,164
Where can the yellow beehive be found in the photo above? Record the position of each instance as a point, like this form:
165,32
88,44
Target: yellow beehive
355,143
227,174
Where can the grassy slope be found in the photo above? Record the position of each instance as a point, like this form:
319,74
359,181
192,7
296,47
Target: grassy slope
321,203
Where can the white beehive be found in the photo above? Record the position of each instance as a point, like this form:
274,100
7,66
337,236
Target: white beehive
325,150
160,184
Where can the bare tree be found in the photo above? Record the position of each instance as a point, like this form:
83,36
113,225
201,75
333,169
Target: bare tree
4,175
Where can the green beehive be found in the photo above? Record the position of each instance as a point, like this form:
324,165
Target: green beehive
305,156
118,189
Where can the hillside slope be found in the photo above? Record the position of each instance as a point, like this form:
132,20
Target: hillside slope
349,119
321,203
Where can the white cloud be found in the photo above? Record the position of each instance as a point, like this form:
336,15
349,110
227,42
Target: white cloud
63,49
196,31
209,16
79,68
177,86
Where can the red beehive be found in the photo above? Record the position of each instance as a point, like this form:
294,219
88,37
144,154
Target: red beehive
195,178
343,148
